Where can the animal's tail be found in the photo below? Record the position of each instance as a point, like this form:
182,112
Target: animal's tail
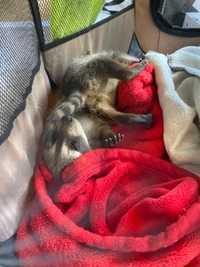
66,108
63,111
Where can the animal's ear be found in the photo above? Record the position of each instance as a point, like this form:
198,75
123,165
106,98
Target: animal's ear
49,138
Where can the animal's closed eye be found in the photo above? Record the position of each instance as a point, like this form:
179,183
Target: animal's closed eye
74,145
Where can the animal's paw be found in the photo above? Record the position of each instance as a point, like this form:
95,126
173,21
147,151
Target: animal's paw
115,139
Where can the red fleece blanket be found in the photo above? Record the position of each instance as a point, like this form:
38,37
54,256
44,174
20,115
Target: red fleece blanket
140,96
116,207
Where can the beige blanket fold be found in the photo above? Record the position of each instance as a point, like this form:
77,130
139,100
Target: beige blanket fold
187,59
178,81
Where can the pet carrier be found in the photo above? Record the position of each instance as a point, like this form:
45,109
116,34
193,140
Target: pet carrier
133,205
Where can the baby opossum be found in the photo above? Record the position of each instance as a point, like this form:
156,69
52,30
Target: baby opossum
81,120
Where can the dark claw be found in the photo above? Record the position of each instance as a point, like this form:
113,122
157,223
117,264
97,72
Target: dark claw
120,137
106,140
111,141
115,139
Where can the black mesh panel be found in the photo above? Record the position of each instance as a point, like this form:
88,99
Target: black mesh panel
59,21
19,60
61,18
177,17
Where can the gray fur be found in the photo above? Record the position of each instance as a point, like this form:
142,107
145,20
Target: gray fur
82,117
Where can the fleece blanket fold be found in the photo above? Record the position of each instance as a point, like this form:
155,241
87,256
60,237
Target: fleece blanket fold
178,80
114,208
186,59
140,96
123,206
